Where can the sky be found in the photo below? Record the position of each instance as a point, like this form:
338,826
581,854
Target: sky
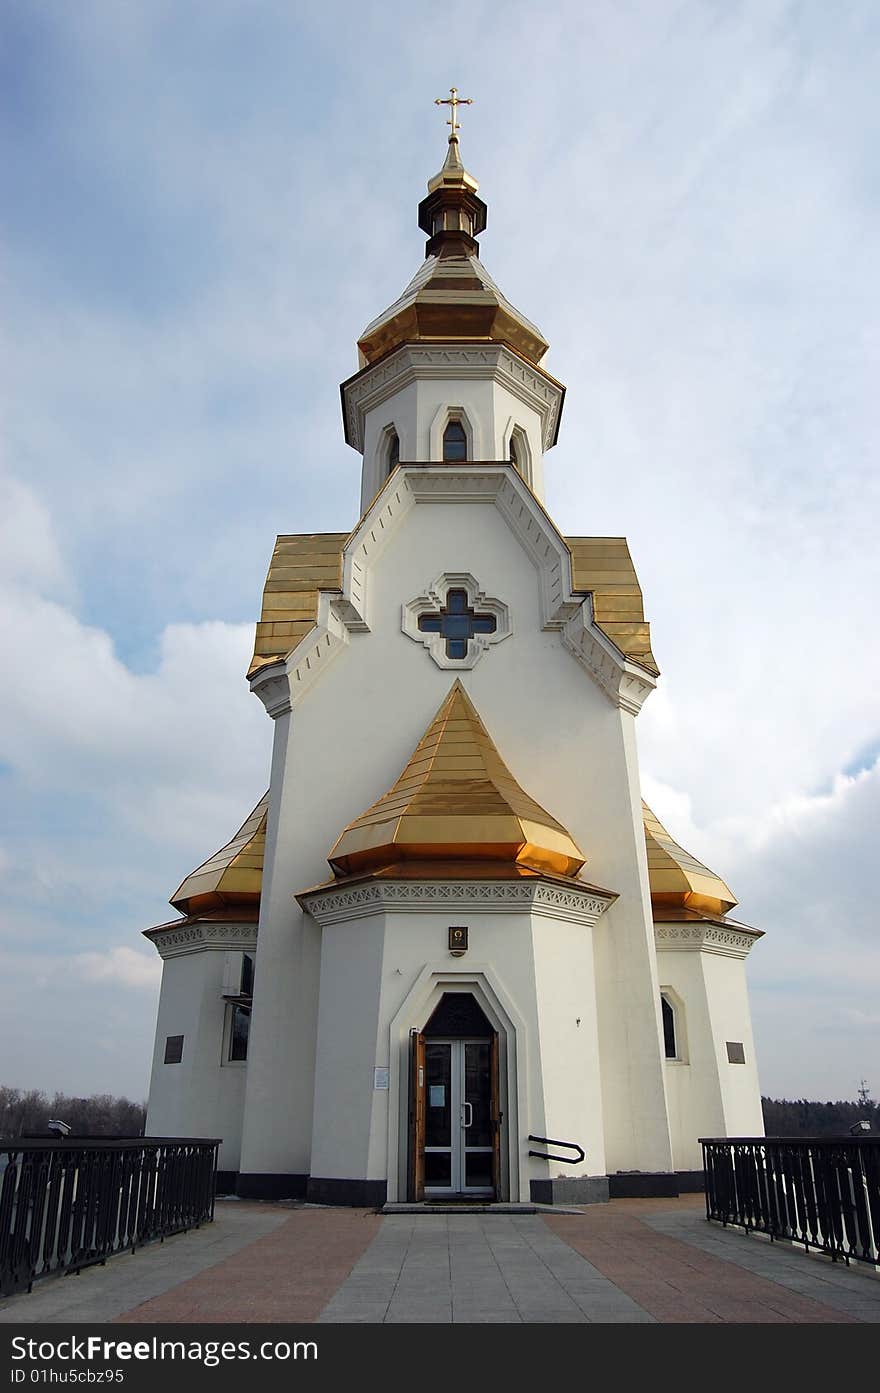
205,205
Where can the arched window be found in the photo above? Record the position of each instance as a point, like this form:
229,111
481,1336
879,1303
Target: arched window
393,450
455,446
669,1042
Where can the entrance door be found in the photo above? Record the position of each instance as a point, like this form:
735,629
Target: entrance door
459,1118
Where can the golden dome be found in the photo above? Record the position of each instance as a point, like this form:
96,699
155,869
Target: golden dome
677,879
233,875
456,800
452,298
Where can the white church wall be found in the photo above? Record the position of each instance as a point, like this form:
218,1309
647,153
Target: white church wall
363,1029
568,1041
692,1082
202,1096
277,1132
727,995
708,1095
420,412
348,739
345,1102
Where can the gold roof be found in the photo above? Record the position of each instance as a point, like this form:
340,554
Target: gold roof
456,799
300,568
453,173
451,298
678,879
233,875
603,566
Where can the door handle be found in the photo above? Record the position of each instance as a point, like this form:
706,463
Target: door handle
470,1114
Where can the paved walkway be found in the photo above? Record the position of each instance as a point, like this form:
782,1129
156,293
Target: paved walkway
625,1262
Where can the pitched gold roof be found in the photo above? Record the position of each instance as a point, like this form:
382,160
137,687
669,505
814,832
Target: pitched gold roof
303,566
456,776
456,800
233,875
604,566
451,297
300,568
678,879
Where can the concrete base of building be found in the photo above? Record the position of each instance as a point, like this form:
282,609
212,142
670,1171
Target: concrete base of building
358,1194
255,1185
584,1189
640,1185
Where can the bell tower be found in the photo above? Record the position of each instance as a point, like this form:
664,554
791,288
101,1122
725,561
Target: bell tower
450,372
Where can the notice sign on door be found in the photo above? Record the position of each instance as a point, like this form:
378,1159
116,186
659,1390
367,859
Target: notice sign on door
437,1095
380,1078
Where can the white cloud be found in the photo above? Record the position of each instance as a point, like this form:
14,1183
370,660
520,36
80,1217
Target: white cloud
120,965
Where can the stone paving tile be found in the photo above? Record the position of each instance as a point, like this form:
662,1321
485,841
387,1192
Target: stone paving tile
852,1292
104,1293
644,1251
289,1275
472,1269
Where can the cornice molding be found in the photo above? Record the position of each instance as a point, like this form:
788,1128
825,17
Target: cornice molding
444,362
625,684
724,940
195,938
338,905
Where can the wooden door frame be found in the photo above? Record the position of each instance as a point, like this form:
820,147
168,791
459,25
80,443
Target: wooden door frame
417,1116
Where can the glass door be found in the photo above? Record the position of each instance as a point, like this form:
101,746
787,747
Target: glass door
458,1123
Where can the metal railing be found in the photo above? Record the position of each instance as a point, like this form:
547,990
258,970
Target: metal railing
548,1156
823,1192
67,1204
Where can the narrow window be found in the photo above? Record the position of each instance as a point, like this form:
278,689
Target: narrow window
668,1029
173,1049
239,1031
393,451
247,974
513,457
454,442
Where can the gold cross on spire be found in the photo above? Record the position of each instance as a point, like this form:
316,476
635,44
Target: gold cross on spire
454,101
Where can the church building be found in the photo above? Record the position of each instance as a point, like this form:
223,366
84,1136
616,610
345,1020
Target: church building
451,954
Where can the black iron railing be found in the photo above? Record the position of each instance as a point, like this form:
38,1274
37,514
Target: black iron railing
67,1204
548,1156
823,1192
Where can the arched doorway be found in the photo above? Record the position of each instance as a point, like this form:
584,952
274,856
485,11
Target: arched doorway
455,1121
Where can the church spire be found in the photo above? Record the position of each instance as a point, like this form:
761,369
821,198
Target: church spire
452,214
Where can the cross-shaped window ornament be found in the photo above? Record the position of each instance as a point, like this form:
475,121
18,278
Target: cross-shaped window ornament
458,623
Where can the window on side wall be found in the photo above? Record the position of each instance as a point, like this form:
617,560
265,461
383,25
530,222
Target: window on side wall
239,1033
393,451
454,442
670,1043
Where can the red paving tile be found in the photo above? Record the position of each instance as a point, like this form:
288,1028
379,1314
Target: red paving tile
289,1275
674,1281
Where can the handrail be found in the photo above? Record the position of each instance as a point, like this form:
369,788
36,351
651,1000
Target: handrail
66,1204
548,1155
823,1192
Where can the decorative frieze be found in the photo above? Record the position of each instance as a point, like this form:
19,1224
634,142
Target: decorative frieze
193,938
726,940
435,362
545,898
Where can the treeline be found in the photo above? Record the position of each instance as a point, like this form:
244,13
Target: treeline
800,1118
98,1116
